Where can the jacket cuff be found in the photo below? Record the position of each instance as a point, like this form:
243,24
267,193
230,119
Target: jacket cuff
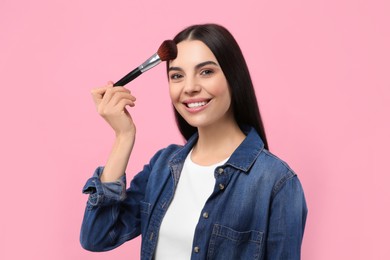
104,193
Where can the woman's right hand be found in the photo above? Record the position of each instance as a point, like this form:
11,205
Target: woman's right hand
111,104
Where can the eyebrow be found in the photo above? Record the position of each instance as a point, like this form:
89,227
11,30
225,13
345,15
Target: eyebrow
198,66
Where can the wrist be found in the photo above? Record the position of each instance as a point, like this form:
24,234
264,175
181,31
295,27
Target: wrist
128,133
125,136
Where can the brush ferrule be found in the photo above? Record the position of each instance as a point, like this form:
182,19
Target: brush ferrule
150,63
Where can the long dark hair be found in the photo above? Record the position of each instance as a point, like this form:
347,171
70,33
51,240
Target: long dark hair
229,56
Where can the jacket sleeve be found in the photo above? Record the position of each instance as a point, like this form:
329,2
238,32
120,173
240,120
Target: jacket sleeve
112,214
287,221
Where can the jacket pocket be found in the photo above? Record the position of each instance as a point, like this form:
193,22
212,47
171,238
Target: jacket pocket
227,243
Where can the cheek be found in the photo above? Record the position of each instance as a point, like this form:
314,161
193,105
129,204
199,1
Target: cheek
171,92
220,86
223,91
227,98
174,94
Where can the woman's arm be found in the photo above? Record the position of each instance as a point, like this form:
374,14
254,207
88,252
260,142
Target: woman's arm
111,104
104,227
113,214
287,222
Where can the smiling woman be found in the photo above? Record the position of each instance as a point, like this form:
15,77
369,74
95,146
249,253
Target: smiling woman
222,195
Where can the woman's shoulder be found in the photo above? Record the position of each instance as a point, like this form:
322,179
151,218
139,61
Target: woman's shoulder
271,167
168,150
166,153
274,162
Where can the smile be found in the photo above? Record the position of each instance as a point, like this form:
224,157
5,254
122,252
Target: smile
196,104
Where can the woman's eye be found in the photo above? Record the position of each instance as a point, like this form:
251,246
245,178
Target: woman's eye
206,72
175,76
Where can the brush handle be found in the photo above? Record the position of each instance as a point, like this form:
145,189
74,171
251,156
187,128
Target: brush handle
129,77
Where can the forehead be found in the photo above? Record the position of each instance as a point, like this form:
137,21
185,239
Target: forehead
192,52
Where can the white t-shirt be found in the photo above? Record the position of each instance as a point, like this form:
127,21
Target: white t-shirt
177,229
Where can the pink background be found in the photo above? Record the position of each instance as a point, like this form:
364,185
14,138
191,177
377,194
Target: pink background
321,71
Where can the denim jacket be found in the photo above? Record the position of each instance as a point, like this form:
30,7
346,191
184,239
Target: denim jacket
257,209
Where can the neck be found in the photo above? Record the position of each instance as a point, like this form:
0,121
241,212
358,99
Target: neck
217,142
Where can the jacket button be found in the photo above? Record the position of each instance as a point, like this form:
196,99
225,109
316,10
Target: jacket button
221,186
205,215
196,249
220,170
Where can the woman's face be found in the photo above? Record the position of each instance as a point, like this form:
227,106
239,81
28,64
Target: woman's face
198,87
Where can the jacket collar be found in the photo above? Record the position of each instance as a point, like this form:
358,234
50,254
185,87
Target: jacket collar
242,158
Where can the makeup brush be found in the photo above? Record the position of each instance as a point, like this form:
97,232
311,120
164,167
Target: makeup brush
167,51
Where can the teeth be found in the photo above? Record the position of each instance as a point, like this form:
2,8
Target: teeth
196,104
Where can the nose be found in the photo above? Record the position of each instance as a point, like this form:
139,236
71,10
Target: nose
191,86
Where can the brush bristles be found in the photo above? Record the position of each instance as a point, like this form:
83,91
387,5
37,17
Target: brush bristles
167,50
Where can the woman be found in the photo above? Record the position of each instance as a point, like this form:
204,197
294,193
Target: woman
222,195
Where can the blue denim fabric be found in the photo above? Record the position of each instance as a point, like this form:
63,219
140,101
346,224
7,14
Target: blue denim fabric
256,211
